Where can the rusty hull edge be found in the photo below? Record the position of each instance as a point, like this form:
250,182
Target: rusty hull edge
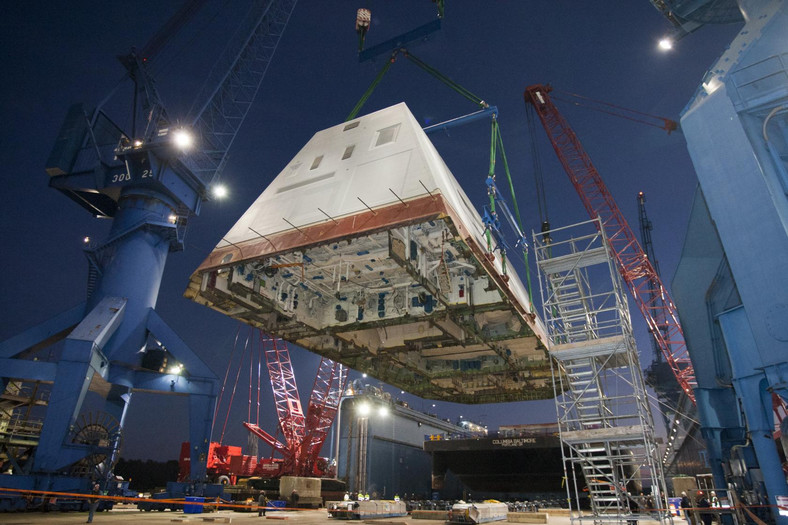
419,209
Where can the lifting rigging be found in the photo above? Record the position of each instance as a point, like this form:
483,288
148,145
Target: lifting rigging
636,269
491,214
491,218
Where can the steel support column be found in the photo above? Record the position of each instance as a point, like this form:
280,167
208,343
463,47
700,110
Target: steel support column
726,125
750,384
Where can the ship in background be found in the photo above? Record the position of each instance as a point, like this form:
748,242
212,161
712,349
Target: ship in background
388,448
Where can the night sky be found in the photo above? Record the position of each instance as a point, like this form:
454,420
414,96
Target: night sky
57,54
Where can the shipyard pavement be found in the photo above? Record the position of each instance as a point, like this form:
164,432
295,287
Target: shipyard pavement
129,514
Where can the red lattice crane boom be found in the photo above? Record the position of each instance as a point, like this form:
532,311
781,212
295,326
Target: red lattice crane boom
303,435
637,271
323,406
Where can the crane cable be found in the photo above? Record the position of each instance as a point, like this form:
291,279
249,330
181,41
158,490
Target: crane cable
251,376
259,372
235,387
182,48
619,111
446,80
252,393
226,375
541,199
354,112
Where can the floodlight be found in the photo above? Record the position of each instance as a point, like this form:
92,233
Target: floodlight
182,139
219,191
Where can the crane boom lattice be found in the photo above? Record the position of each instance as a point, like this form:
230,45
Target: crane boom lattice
233,84
283,383
323,405
304,435
636,270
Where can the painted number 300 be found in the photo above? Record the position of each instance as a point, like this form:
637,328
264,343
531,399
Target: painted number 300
123,177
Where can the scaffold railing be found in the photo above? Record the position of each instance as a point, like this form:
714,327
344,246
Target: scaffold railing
604,418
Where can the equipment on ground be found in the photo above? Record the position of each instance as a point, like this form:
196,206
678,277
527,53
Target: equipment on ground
366,509
475,513
304,435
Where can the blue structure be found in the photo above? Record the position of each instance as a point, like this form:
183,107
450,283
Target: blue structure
732,281
149,181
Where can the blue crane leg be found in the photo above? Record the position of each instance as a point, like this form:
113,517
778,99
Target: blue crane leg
71,384
200,422
155,186
136,267
82,357
751,388
741,183
117,405
720,428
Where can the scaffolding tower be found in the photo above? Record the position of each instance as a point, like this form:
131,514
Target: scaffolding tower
604,417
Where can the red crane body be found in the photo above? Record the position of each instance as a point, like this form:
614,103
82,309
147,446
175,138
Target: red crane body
644,283
303,435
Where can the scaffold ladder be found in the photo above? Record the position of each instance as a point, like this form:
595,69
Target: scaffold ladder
604,419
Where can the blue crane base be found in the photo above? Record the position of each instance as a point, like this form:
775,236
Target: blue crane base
108,347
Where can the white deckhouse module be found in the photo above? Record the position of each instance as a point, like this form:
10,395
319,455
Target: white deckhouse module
366,250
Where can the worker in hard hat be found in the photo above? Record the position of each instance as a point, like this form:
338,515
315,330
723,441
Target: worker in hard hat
686,505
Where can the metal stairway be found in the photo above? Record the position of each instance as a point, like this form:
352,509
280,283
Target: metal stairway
604,418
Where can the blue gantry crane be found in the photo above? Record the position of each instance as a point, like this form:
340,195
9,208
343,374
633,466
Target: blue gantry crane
149,179
731,283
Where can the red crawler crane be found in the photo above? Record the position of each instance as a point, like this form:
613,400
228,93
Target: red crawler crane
303,435
637,271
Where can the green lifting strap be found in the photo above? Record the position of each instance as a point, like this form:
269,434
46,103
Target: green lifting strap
432,71
516,208
446,80
372,86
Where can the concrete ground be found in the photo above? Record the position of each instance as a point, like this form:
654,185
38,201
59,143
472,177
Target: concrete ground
130,515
